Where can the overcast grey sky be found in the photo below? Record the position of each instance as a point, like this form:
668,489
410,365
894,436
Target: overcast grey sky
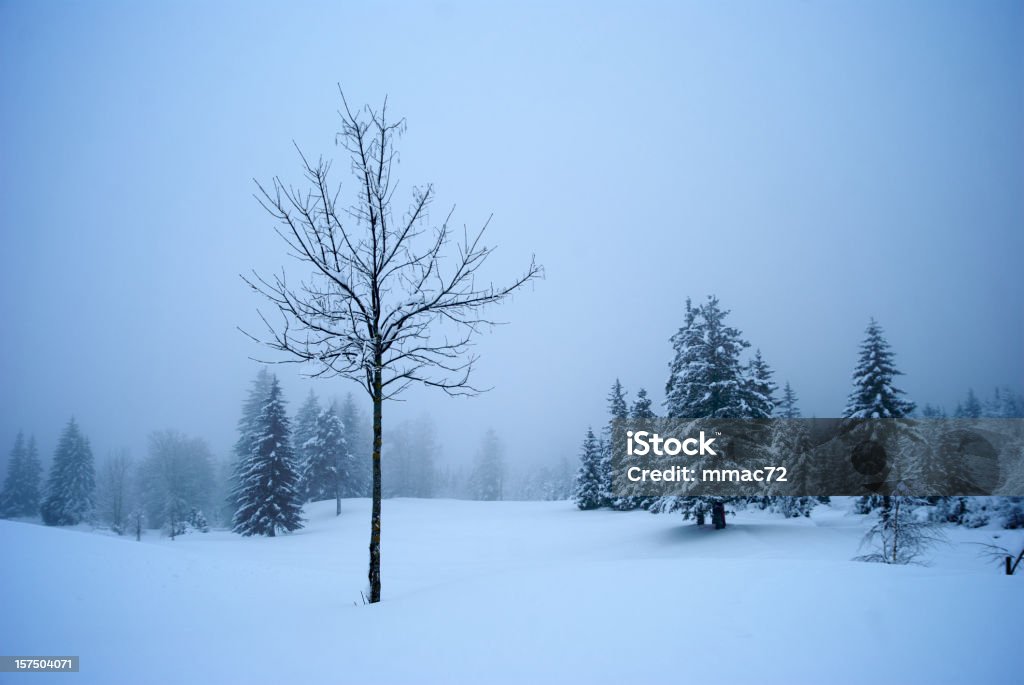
813,164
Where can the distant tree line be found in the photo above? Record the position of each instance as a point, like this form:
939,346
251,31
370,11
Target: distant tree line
278,464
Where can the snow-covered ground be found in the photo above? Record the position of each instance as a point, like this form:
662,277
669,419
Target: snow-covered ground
533,592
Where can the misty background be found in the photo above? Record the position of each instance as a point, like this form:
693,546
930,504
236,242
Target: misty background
812,165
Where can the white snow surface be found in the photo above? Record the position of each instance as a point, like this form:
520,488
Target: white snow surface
510,592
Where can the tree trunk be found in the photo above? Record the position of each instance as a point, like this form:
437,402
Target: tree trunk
718,515
378,400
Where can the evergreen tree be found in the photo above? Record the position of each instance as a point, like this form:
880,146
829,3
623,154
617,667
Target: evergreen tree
20,496
421,465
874,396
357,442
72,482
970,408
708,380
489,472
706,376
303,436
617,411
588,492
791,440
251,408
267,494
1005,404
787,407
641,409
760,388
325,469
196,520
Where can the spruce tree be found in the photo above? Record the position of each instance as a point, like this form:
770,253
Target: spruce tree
303,437
488,477
970,408
20,496
708,380
356,440
641,409
72,482
874,396
760,388
787,407
251,409
588,492
266,496
618,410
1005,404
325,469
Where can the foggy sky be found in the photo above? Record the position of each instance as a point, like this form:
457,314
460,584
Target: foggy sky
812,164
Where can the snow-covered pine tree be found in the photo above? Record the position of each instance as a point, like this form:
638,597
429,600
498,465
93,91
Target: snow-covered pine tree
706,380
251,409
874,396
792,439
787,407
588,491
422,472
1011,512
267,494
643,410
618,410
760,388
970,408
325,469
357,442
303,434
72,482
1005,404
706,376
488,476
681,392
20,496
642,407
196,520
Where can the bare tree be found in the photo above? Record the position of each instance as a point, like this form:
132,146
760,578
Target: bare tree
387,303
900,536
